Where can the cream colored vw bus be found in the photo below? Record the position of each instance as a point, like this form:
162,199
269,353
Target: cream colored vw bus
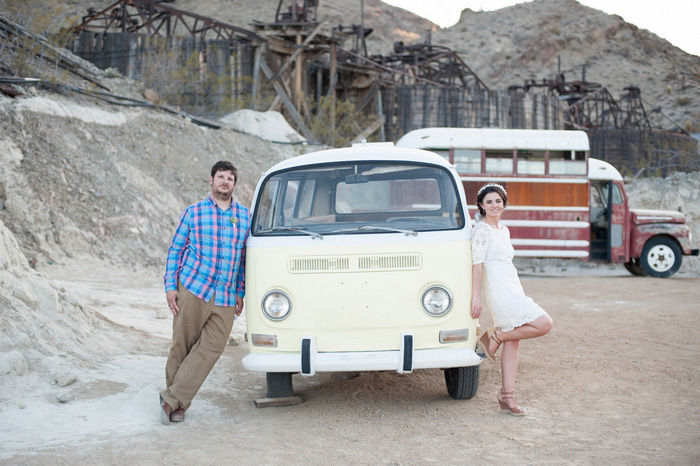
359,260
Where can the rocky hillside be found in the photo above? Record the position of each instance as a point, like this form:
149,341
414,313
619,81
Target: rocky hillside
526,41
80,177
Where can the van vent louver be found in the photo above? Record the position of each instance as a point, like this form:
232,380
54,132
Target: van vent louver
355,263
319,264
390,262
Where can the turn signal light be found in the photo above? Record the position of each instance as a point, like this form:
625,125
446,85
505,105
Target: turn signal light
452,336
263,340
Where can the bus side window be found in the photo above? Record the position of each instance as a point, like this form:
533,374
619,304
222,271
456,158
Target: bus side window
499,161
566,162
445,154
467,160
530,162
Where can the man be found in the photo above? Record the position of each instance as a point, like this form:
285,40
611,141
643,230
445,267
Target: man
204,286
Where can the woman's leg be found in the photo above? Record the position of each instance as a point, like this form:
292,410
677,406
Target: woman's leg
509,364
538,327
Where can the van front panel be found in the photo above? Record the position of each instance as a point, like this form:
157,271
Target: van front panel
359,292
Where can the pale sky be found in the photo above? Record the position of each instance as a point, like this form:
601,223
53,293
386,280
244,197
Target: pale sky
677,21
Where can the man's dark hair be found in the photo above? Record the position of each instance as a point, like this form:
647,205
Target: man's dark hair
224,166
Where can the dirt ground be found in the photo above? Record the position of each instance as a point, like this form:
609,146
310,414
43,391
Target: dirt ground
616,381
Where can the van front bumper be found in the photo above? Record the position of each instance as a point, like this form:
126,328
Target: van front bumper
308,361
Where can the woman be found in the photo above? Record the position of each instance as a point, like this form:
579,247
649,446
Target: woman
516,317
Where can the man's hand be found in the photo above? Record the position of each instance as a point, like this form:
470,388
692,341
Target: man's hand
171,298
239,305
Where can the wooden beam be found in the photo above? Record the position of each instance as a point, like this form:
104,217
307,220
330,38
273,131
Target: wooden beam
331,90
256,76
281,401
369,130
298,72
299,50
298,119
368,98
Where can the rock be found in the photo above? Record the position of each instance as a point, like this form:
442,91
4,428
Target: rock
13,361
64,380
65,397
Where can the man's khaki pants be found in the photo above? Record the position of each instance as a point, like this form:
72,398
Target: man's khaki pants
200,334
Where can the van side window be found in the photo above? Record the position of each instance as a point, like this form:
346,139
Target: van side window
566,162
531,162
499,161
467,160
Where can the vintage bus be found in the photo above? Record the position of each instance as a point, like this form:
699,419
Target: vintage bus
562,203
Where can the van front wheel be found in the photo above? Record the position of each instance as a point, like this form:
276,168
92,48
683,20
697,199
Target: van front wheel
661,257
462,382
279,384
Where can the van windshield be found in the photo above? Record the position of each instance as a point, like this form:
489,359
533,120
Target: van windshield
359,197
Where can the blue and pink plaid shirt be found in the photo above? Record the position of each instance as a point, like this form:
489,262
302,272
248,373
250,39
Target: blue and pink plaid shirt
207,253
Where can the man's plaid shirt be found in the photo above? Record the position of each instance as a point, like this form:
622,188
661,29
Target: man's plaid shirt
207,253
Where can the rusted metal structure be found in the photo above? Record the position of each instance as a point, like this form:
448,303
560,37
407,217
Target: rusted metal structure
156,19
301,66
628,132
591,106
438,65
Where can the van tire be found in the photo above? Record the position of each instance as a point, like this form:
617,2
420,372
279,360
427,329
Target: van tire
635,268
661,257
279,384
462,382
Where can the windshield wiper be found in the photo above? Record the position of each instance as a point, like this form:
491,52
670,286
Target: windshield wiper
302,230
371,228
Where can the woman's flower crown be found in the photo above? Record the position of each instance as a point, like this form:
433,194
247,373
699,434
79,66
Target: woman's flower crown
492,185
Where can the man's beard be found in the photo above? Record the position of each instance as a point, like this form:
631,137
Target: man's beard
222,195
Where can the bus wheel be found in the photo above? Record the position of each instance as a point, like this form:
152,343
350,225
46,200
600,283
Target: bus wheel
635,268
661,257
279,384
462,382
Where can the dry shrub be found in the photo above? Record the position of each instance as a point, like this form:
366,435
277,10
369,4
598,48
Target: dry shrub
26,55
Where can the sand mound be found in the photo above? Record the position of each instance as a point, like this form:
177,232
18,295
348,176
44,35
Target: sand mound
269,125
42,327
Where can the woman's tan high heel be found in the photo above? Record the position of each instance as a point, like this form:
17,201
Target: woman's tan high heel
517,411
485,340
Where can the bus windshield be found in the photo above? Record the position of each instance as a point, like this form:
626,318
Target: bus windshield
358,197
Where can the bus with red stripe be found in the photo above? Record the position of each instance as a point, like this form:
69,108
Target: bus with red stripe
561,202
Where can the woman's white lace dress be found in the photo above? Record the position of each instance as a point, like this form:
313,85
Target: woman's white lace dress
505,297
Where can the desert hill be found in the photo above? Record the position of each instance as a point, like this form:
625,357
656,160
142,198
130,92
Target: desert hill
526,41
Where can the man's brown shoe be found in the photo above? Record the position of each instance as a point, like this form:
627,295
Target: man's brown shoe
165,411
178,415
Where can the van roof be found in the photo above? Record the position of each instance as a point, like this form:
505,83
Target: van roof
361,153
495,138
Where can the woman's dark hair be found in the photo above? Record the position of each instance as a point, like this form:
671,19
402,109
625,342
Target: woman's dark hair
490,188
224,166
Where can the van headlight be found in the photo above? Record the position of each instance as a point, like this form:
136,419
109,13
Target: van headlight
276,305
436,301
